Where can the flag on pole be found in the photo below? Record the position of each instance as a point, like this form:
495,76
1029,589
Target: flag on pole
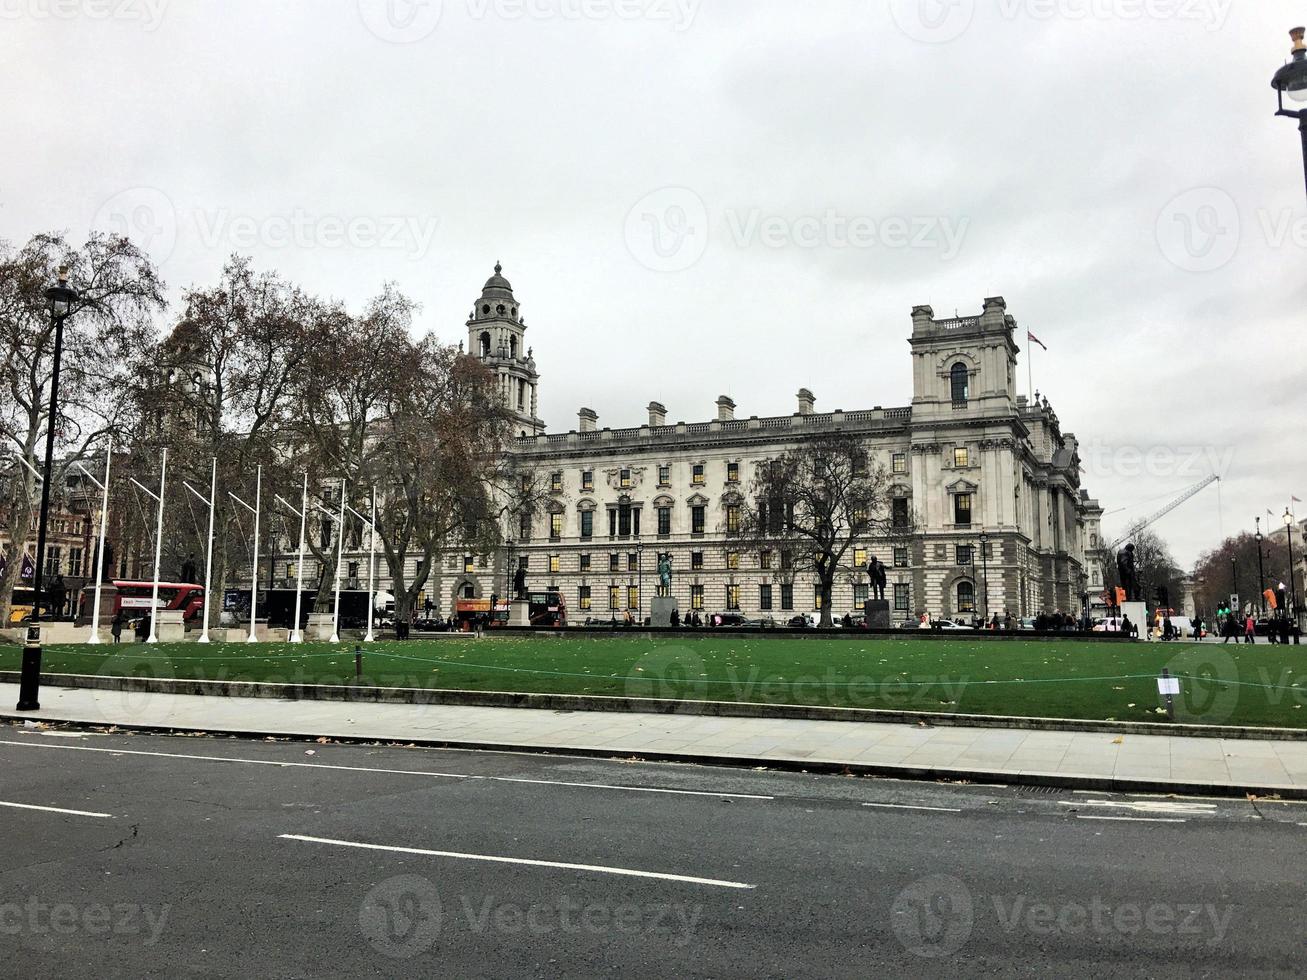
1294,499
1034,340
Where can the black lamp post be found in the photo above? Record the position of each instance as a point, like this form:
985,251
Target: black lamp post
508,574
61,298
1261,573
984,564
1291,80
1293,585
639,573
1234,574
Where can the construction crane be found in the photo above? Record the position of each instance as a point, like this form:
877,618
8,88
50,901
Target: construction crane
1138,526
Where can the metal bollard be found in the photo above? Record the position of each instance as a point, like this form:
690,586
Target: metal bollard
358,662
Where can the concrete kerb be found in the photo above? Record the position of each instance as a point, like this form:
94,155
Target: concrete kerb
628,705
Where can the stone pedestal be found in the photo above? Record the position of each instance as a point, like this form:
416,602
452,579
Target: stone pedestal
169,626
661,610
319,626
1137,613
877,613
519,613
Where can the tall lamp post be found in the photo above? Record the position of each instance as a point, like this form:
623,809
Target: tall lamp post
639,579
1291,612
1234,574
1291,80
1261,573
508,575
61,298
984,564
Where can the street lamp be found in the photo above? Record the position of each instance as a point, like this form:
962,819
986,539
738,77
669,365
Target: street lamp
508,575
1291,80
1261,574
984,564
639,579
1234,574
1288,537
61,298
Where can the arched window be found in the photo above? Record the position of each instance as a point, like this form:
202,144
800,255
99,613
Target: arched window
958,382
485,344
966,597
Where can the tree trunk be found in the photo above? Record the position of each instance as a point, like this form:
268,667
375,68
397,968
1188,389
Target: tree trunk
827,587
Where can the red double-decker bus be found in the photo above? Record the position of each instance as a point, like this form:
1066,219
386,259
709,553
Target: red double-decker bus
134,598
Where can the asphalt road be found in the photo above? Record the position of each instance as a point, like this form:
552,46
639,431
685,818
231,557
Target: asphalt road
224,857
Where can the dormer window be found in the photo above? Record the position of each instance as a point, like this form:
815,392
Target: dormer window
485,310
500,309
958,382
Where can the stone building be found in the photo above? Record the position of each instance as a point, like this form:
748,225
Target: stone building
969,459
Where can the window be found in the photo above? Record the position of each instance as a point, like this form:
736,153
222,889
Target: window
554,564
614,597
696,597
696,560
74,561
899,513
732,596
614,563
764,597
583,596
525,483
624,518
632,597
960,457
900,556
958,383
696,519
587,523
524,526
966,597
764,559
469,563
612,522
524,563
664,520
962,509
732,472
859,557
787,596
52,559
965,554
732,518
816,597
353,571
901,596
469,591
633,562
732,559
787,561
585,562
696,473
624,478
859,463
587,479
556,482
556,526
664,475
899,462
860,595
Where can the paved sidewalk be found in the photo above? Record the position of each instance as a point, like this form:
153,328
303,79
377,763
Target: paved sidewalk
1097,760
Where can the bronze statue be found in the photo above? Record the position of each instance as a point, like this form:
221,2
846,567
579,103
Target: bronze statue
1129,575
664,573
878,577
519,582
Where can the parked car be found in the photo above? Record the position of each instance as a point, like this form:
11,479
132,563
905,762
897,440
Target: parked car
948,624
801,621
762,623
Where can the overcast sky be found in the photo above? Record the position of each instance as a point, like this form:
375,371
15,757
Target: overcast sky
698,197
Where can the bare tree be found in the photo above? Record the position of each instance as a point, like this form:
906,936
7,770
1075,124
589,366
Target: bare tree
811,505
107,336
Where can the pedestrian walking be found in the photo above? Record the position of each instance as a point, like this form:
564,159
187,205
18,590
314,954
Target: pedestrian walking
1249,630
116,627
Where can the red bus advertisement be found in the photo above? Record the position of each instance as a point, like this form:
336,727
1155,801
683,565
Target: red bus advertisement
134,599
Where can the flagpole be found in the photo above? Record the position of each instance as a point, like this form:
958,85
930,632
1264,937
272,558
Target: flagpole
1030,371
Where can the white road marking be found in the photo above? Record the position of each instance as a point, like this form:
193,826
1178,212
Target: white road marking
1151,806
392,772
1105,816
56,809
602,869
910,806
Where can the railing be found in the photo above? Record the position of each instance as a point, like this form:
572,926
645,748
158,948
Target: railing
957,323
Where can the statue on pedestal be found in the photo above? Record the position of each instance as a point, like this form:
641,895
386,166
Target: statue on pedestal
877,577
664,573
1128,574
519,582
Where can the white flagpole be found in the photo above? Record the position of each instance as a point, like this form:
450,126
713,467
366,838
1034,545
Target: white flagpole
372,564
1030,369
158,555
208,561
340,544
297,635
254,568
99,554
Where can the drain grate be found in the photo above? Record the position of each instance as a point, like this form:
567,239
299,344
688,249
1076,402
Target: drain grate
1043,790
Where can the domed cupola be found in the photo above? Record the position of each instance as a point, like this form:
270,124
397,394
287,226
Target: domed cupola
497,301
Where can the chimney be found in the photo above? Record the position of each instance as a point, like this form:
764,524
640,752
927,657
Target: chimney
806,401
923,318
657,414
725,408
587,418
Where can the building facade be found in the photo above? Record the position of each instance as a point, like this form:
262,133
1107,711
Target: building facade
968,457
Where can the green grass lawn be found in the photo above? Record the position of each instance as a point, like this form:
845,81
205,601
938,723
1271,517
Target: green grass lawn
1261,685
